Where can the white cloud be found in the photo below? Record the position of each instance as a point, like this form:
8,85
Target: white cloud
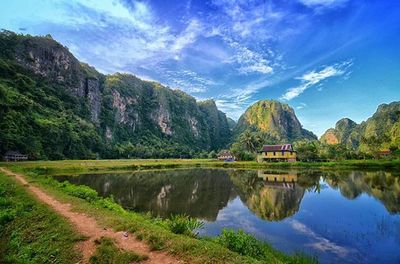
324,3
320,243
316,77
234,103
134,33
188,81
249,61
188,36
301,106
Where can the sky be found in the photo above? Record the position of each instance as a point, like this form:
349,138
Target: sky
328,59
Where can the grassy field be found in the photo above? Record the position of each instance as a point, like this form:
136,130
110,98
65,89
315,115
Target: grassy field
30,232
82,166
230,247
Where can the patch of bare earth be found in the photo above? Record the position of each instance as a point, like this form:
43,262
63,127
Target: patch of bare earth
88,227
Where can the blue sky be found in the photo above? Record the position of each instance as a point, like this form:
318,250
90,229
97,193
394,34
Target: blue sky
328,59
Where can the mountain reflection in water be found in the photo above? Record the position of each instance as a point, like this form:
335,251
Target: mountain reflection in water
339,216
271,195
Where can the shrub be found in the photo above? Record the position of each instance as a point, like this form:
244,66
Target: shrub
80,191
110,204
183,224
241,243
247,245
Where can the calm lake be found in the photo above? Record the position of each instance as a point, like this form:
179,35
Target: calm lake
339,216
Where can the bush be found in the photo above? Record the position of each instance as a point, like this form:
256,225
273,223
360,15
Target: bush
80,191
110,204
241,243
247,245
183,224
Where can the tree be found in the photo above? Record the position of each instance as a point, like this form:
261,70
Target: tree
373,144
250,141
306,150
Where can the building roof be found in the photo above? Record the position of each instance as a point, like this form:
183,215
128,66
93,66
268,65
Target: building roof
287,147
225,153
13,153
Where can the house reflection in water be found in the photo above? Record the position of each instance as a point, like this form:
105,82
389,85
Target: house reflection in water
285,181
270,195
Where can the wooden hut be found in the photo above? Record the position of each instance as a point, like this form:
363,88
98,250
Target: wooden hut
14,156
226,156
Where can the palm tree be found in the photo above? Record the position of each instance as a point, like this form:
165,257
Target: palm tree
249,141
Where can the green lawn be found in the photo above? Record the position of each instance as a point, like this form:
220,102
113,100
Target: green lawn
82,166
30,232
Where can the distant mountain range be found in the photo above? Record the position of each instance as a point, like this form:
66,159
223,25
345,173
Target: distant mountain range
383,128
52,107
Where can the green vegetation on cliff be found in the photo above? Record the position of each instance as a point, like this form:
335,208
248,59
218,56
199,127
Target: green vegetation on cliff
267,122
379,132
276,122
54,107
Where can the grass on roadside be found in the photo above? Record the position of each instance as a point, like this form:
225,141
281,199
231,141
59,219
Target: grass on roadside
108,253
247,245
30,232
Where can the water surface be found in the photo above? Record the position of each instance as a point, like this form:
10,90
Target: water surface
339,216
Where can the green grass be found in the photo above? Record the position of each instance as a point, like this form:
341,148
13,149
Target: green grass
184,224
87,166
30,232
247,245
157,233
108,253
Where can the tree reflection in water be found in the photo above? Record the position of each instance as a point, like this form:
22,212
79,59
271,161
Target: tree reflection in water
272,195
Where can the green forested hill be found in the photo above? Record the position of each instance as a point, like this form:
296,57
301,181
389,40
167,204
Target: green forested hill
52,106
381,131
267,122
274,121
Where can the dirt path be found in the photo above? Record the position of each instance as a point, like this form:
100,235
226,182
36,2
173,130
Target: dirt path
88,227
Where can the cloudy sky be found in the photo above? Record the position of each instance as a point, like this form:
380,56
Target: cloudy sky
328,59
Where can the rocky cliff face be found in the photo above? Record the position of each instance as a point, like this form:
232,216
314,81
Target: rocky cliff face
122,111
345,132
53,62
140,108
383,126
276,120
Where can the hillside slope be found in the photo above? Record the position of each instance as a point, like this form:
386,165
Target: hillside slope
383,128
277,122
53,106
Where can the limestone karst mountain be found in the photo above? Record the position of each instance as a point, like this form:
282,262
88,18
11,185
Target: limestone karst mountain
383,127
275,120
53,106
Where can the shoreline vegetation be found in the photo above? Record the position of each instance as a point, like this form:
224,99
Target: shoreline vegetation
159,234
87,166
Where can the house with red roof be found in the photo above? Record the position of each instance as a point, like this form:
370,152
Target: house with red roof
277,153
